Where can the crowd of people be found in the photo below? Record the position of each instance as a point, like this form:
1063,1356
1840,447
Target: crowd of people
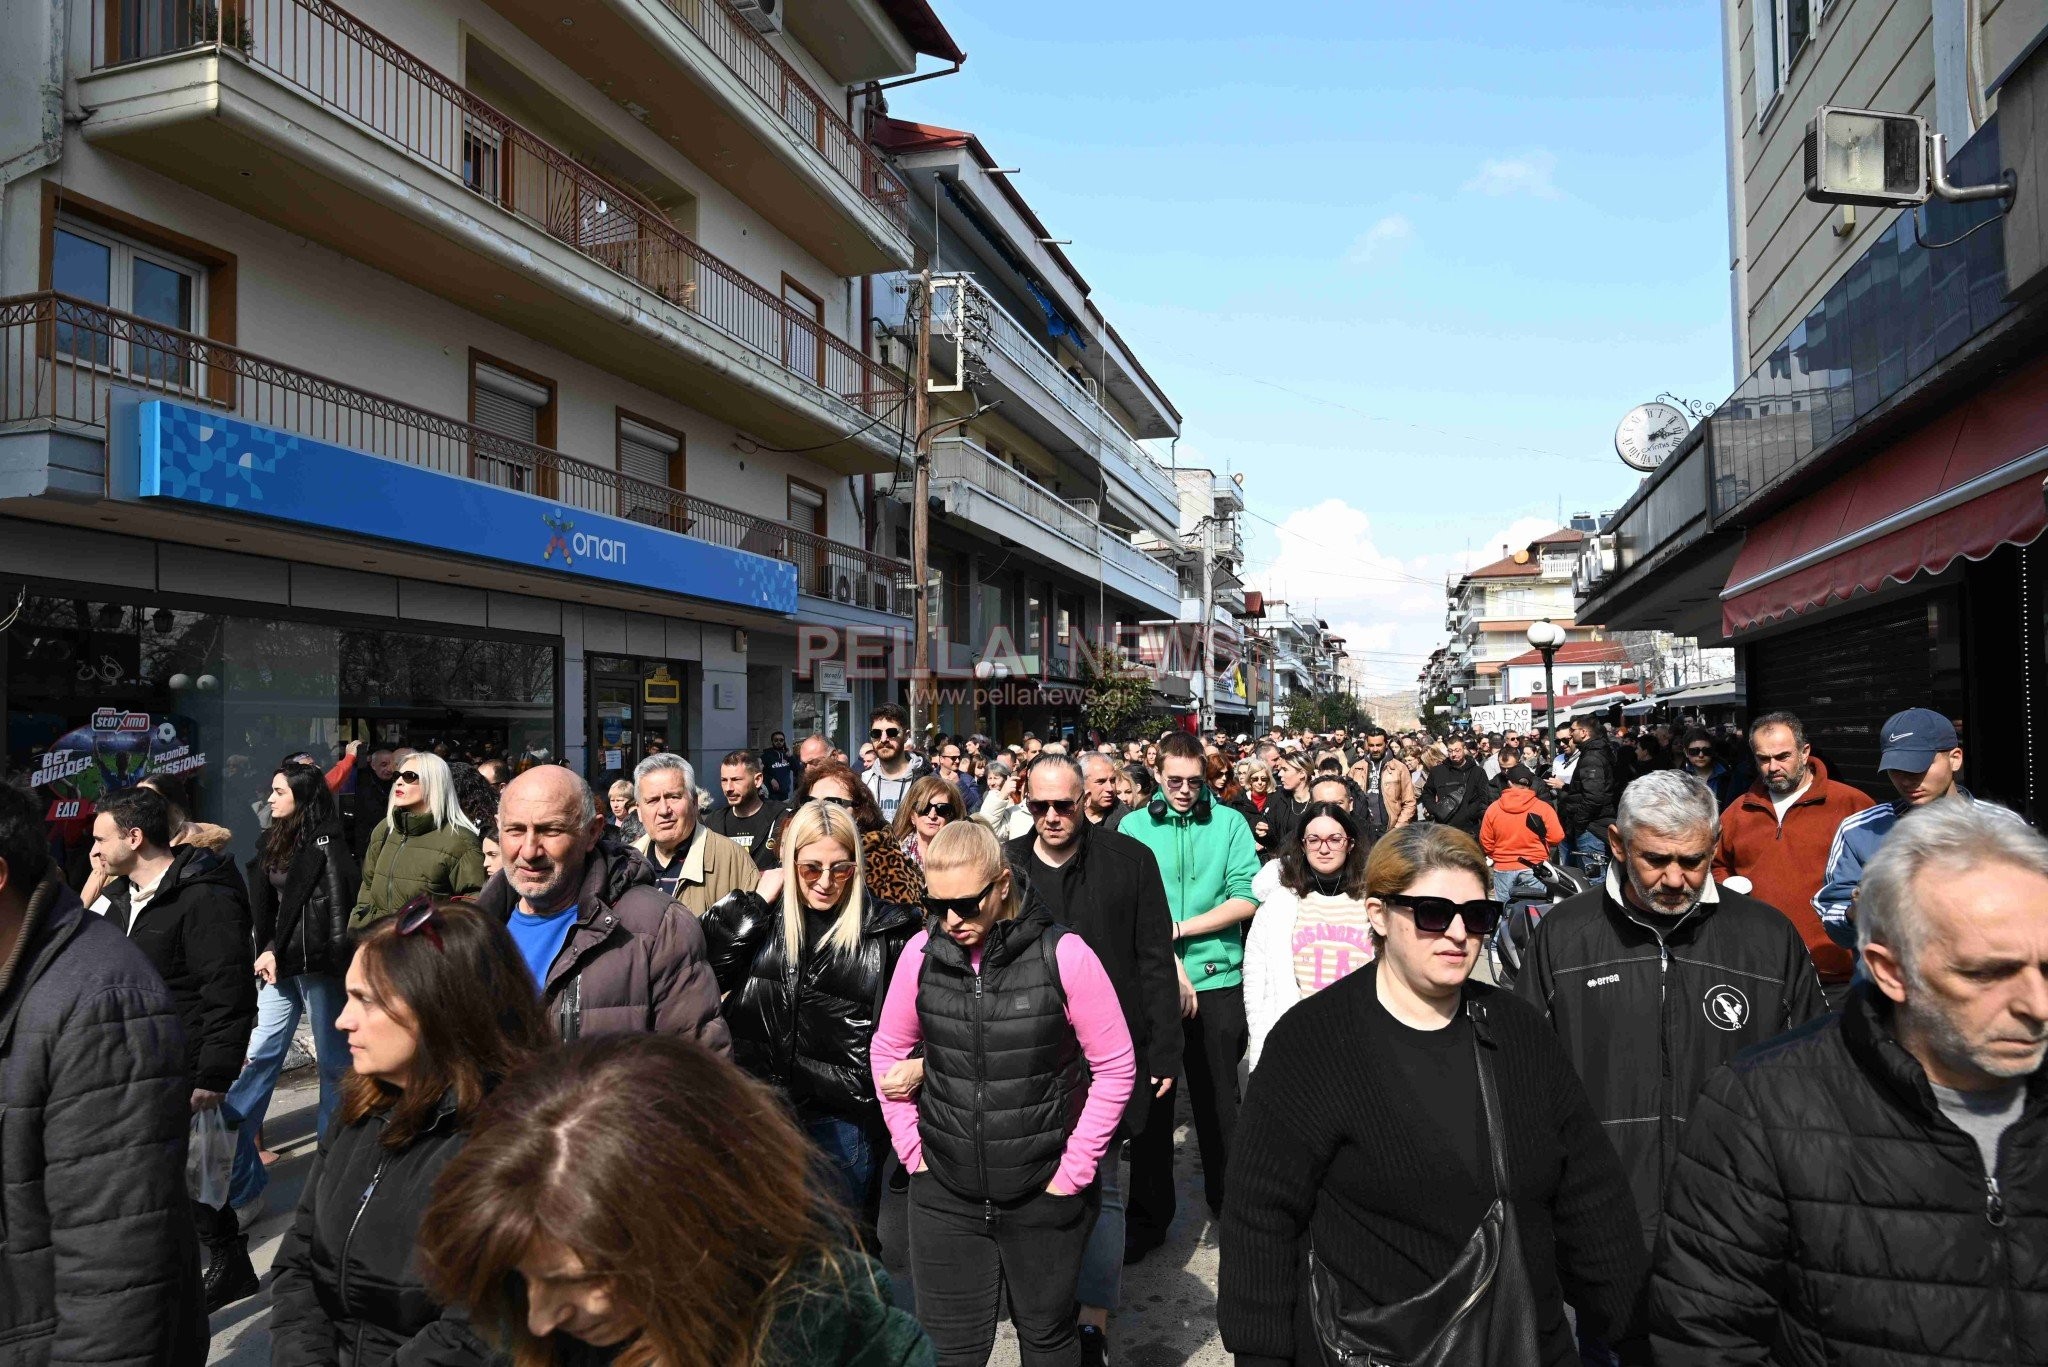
869,1051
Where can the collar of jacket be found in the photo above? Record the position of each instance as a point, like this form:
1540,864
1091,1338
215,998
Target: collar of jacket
613,868
1758,798
1021,851
1192,814
1616,898
1867,1032
413,823
1903,807
693,856
53,908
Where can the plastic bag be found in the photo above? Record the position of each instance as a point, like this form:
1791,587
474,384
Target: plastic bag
210,1159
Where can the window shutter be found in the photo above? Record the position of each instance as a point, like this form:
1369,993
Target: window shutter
507,404
644,455
1764,41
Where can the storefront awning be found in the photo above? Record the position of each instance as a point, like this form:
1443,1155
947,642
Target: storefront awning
1963,485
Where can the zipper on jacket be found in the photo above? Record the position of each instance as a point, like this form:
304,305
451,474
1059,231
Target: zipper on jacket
980,1085
376,1176
1994,1203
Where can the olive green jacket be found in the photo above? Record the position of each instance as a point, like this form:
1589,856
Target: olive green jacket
411,857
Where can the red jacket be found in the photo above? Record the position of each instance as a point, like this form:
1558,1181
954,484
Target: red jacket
1505,835
1787,864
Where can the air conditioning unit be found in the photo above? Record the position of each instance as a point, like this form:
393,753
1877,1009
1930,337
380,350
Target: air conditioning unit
765,15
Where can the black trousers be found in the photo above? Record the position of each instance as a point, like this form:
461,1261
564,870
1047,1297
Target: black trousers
966,1254
1215,1041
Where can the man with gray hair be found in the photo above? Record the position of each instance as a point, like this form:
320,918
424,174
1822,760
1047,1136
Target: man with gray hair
1874,1188
1658,977
1098,779
692,863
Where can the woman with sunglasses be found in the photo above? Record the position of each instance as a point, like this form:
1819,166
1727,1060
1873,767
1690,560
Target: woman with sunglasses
424,844
801,980
1703,761
886,872
1270,814
1365,1141
440,1007
1312,928
1027,1068
929,807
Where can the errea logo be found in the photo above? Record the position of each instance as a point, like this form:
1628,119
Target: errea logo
1603,982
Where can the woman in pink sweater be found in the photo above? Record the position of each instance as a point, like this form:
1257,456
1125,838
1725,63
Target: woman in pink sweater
1027,1068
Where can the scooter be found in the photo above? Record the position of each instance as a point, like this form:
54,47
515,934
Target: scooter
1509,945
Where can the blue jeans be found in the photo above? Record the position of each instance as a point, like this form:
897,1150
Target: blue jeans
850,1153
277,1016
1510,884
1101,1284
1593,844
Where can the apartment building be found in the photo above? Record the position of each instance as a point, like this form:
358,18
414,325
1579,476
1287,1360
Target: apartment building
496,374
1490,609
1204,642
1858,520
1045,460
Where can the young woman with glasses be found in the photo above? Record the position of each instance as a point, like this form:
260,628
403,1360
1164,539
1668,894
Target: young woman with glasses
1027,1068
801,980
1268,812
440,1007
1366,1150
1312,928
424,844
928,807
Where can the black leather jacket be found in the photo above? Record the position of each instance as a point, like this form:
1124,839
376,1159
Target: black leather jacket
306,922
805,1028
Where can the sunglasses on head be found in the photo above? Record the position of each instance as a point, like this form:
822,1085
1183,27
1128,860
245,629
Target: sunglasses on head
966,908
835,801
1433,915
418,915
1039,806
408,776
880,731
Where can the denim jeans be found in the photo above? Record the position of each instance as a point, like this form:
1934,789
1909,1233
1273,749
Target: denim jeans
1511,884
1591,844
849,1152
1102,1262
278,1007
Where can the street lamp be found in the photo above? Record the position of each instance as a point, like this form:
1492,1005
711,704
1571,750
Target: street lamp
1547,636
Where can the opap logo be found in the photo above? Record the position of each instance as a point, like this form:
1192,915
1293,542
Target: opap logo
1726,1007
571,543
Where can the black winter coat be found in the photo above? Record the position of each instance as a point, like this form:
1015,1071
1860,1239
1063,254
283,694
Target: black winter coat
98,1259
347,1289
195,931
1278,817
1589,801
1824,1210
1116,902
305,924
1457,795
805,1028
1647,1008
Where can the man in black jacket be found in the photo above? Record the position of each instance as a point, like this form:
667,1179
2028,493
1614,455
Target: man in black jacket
1587,803
1658,978
1106,888
188,913
96,1253
1874,1187
1457,792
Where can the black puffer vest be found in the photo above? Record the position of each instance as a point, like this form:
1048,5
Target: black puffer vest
1003,1076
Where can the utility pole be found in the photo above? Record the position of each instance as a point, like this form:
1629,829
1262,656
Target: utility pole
1206,711
921,508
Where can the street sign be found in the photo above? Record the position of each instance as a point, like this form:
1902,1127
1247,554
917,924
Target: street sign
1505,716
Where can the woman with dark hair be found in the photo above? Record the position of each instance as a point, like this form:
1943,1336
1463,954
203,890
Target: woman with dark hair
553,1225
301,886
887,872
473,794
1400,1123
440,1007
1652,754
1311,928
1702,759
929,806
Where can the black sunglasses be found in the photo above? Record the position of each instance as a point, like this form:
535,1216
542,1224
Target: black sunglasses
881,731
944,809
966,908
418,915
835,801
1433,915
1039,806
408,776
1699,750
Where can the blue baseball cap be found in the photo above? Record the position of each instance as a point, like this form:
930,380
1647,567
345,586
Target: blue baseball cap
1912,739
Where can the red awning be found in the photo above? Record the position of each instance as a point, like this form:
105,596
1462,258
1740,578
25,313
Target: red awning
1963,485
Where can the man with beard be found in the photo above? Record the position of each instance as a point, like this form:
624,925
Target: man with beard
895,768
1871,1188
1777,836
1659,977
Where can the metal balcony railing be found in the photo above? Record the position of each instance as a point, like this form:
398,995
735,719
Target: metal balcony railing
993,323
61,360
1119,551
343,64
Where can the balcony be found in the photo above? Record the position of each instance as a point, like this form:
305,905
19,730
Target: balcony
982,490
1045,400
62,361
741,111
299,113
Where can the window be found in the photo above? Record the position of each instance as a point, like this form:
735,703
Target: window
807,514
1764,45
1589,679
517,404
803,337
480,150
650,454
122,275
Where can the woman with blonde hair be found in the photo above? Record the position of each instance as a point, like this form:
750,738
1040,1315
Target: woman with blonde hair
1028,1066
561,1225
801,980
425,845
930,805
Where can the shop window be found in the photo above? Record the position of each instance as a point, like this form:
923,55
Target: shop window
123,275
651,454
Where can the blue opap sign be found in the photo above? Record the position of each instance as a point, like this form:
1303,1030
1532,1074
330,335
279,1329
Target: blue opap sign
190,455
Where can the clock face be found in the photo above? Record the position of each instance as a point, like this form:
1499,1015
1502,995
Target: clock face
1650,433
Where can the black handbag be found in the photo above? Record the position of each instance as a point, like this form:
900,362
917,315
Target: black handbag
1480,1313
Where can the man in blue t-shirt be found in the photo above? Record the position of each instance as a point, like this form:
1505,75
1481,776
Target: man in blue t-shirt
540,938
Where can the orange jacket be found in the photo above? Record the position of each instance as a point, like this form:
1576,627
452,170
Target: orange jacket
1787,863
1505,835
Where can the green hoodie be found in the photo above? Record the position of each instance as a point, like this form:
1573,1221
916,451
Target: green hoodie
1204,864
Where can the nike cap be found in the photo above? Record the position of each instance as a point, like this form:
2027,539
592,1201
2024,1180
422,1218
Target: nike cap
1912,738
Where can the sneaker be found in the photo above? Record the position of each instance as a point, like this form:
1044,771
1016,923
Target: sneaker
229,1276
1094,1347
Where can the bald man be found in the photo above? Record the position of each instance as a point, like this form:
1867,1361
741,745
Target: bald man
610,953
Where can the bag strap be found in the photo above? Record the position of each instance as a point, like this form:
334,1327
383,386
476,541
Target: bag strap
1489,1097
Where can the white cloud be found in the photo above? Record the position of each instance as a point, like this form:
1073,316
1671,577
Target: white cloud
1382,242
1529,174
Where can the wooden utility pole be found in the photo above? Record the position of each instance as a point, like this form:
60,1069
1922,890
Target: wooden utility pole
921,508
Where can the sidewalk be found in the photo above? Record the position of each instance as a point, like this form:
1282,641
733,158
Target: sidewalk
241,1334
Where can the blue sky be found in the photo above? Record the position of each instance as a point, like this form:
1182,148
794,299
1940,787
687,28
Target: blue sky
1405,266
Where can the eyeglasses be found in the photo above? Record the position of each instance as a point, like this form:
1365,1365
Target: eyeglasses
944,809
1433,915
408,776
839,870
966,908
1181,781
418,915
1699,751
1326,842
1039,806
881,731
